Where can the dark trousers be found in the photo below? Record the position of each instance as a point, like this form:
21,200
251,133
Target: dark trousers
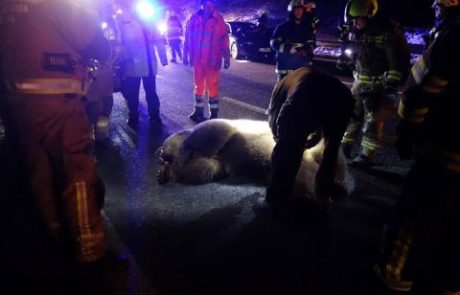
427,220
175,48
130,91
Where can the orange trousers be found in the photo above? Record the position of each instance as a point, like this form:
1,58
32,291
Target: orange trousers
206,79
55,139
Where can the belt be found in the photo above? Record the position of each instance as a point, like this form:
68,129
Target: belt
47,86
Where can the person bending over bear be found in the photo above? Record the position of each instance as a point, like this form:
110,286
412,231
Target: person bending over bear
305,102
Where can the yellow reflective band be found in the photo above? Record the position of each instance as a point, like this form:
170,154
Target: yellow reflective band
48,86
419,70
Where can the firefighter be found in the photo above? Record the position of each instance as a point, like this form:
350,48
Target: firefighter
294,40
206,44
300,106
44,45
421,243
380,55
99,99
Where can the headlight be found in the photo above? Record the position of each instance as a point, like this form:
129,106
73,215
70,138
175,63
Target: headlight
348,52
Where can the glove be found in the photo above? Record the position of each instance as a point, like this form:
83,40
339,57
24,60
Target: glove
405,139
226,63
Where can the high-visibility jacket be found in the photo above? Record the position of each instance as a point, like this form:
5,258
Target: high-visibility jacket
431,97
380,50
206,40
23,64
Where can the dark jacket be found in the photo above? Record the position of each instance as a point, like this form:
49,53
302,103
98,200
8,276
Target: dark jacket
288,35
380,49
431,97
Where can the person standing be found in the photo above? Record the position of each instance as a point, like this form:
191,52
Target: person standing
206,44
381,59
421,243
139,39
294,40
300,106
174,34
44,44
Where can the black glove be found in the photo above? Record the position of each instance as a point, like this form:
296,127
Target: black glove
406,133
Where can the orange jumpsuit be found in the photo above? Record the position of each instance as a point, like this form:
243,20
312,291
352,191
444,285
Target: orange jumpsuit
41,57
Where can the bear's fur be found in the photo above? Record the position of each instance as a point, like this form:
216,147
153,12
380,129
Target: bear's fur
216,149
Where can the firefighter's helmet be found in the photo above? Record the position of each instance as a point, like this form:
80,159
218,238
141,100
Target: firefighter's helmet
294,4
361,8
446,3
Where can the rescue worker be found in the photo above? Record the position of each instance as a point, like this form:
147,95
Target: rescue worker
99,99
381,59
299,107
206,44
174,34
421,243
294,40
139,39
43,70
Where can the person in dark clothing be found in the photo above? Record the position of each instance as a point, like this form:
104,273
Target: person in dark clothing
174,33
380,55
304,102
421,244
294,40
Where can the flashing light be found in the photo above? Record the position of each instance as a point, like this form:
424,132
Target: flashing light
119,11
104,25
162,27
145,10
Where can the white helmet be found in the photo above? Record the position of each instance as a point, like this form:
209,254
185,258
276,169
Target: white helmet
446,3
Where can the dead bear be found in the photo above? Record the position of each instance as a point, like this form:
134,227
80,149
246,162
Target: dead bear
220,148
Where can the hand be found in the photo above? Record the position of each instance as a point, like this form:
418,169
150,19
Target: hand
226,63
406,133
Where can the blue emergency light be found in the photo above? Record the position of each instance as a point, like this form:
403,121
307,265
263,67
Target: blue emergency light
146,10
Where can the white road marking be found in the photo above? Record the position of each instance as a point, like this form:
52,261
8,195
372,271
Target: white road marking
244,105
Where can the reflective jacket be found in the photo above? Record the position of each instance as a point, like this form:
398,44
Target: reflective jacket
288,35
380,50
432,97
51,58
206,40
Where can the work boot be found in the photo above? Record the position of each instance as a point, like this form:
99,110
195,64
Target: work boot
214,113
362,161
197,115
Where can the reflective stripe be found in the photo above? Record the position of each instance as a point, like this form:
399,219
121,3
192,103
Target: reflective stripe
281,48
283,71
369,144
447,159
47,86
434,85
393,76
368,79
419,71
417,115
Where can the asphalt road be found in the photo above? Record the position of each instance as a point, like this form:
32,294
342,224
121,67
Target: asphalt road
206,239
